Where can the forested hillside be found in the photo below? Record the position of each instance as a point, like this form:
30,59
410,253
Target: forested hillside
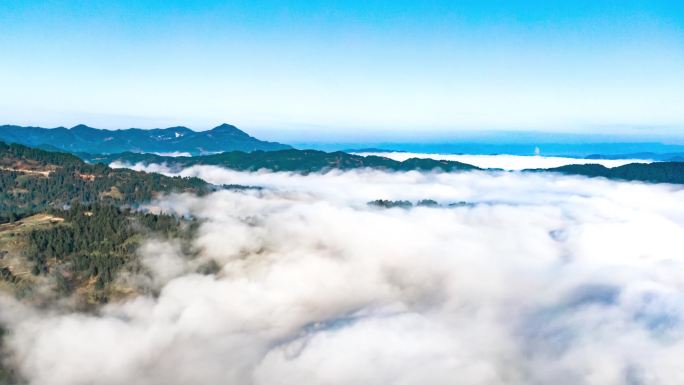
657,172
288,160
67,228
33,180
79,251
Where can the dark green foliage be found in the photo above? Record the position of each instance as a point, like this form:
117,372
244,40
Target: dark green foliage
6,275
101,229
387,204
96,241
70,179
12,152
427,203
239,187
460,204
211,267
64,286
658,172
289,160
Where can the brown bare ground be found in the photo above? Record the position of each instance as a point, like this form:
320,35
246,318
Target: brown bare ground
27,171
87,177
30,221
112,193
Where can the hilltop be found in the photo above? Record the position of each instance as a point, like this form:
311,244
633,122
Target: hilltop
657,172
82,138
68,228
34,180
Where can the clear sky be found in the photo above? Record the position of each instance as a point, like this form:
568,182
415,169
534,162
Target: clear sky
308,68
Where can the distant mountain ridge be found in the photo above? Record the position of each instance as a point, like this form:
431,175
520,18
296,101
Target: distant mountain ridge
303,161
661,157
657,172
82,138
306,161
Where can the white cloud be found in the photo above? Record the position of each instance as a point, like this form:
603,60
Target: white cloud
508,162
174,154
545,279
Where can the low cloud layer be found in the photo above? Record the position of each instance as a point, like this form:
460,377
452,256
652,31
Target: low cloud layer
541,279
508,162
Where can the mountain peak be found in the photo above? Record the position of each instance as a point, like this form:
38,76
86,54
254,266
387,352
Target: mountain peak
225,127
81,127
228,129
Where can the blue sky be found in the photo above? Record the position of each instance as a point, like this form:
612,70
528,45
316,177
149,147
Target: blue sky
309,69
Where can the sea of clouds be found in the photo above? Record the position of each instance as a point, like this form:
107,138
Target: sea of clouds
507,162
538,279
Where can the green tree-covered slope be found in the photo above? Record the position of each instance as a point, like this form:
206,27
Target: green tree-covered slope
657,172
68,228
287,160
33,180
